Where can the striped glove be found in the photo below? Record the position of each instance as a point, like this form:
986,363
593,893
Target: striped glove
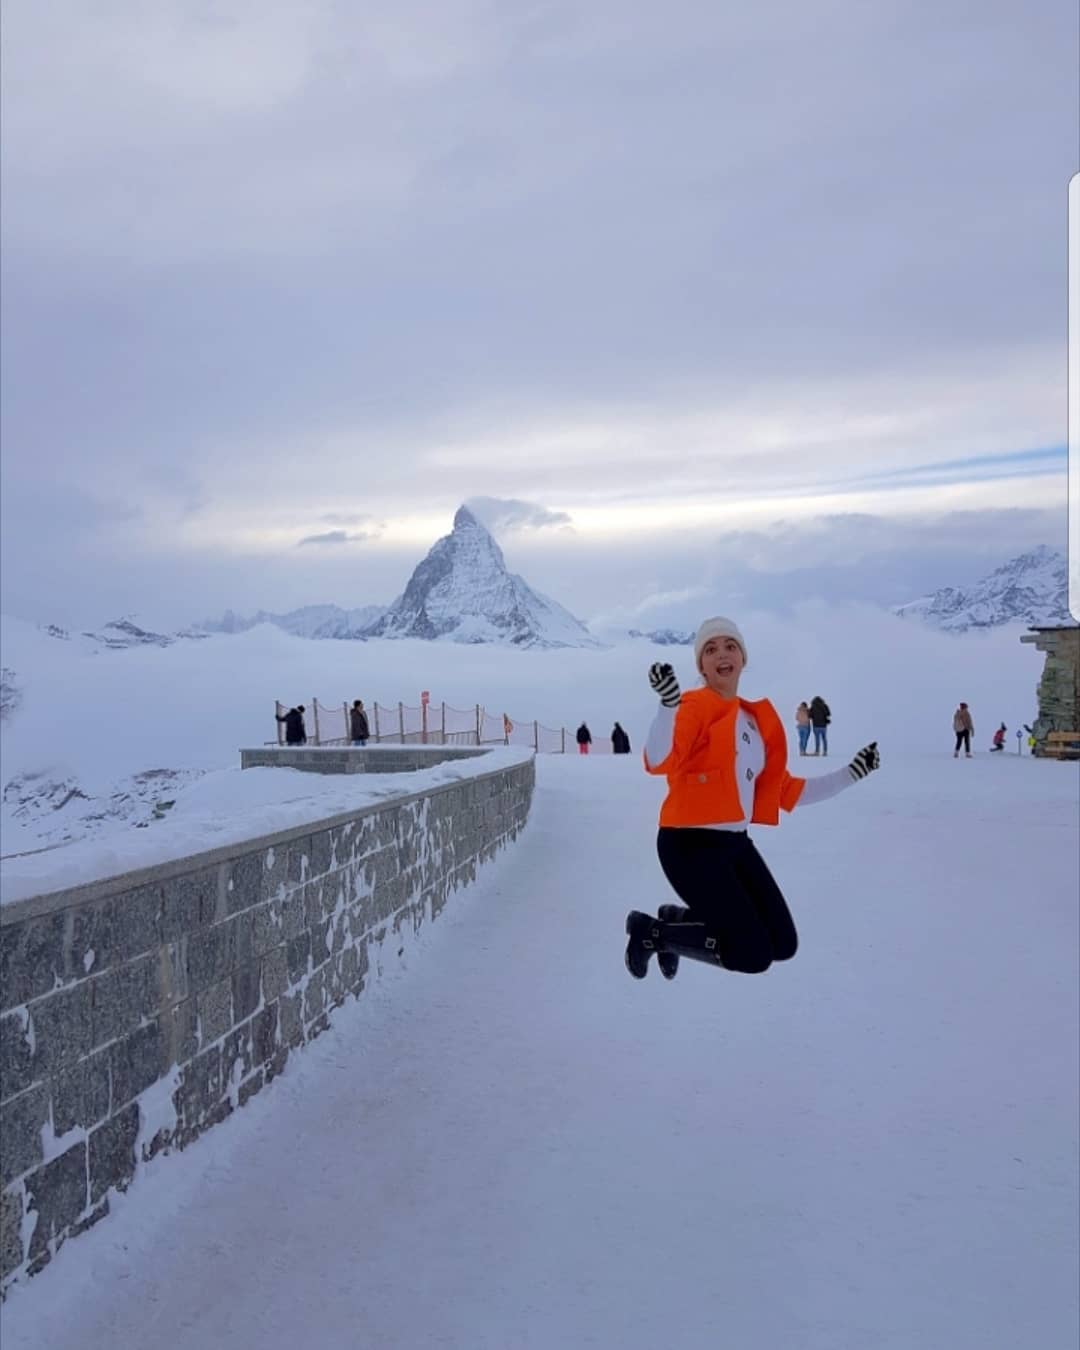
866,761
662,678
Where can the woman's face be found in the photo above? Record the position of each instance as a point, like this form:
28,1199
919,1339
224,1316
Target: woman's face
721,665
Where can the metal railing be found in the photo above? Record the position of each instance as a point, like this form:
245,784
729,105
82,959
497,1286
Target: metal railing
433,724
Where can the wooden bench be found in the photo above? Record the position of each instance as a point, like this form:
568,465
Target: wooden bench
1062,744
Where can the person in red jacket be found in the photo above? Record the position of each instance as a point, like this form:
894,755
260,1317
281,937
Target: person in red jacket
725,759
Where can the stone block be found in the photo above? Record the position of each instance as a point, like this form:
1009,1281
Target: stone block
188,903
243,887
174,986
266,926
320,950
137,1061
291,1020
112,1153
129,926
321,853
80,1094
57,1192
264,1030
246,991
63,1027
17,1070
199,1090
349,969
182,1032
298,956
317,901
293,913
21,1121
277,1063
11,1248
243,938
274,872
124,997
31,959
275,973
250,1087
298,866
211,955
215,1012
315,996
237,1058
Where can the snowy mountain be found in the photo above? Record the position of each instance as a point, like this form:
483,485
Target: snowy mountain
1031,589
462,592
119,635
310,621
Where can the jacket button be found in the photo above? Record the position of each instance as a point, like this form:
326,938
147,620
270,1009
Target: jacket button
703,777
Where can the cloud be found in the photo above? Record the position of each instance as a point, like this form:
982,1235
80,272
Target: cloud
268,264
502,515
334,537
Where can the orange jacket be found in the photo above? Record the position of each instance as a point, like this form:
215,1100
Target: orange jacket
701,766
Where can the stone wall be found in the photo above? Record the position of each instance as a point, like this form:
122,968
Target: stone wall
137,1012
1058,690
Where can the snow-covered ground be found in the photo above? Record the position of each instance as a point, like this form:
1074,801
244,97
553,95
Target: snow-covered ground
510,1143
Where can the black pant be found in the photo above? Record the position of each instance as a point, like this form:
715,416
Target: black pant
963,739
722,879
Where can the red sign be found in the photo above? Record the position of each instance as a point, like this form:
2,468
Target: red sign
425,699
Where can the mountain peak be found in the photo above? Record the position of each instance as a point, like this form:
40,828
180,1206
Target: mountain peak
463,592
1030,588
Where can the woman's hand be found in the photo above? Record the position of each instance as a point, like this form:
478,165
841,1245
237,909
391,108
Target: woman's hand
663,681
866,761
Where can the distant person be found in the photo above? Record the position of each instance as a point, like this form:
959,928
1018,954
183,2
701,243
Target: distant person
584,739
820,717
965,729
620,741
358,723
999,738
802,725
295,731
1030,738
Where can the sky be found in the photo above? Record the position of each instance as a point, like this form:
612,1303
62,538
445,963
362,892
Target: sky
769,303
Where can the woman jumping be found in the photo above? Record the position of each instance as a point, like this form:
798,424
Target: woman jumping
725,760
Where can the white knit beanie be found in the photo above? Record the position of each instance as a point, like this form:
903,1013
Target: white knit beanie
717,627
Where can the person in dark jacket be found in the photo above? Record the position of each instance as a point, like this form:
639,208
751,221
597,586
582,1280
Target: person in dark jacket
620,741
295,731
820,717
358,723
584,739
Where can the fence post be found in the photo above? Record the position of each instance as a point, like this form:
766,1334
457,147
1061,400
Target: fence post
423,722
478,724
376,721
536,737
444,722
401,720
563,731
315,711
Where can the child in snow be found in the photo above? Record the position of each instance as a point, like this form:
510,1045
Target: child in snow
726,764
999,738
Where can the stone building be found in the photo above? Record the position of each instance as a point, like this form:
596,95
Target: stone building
1058,690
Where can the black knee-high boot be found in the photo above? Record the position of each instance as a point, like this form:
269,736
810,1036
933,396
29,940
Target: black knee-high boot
687,938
